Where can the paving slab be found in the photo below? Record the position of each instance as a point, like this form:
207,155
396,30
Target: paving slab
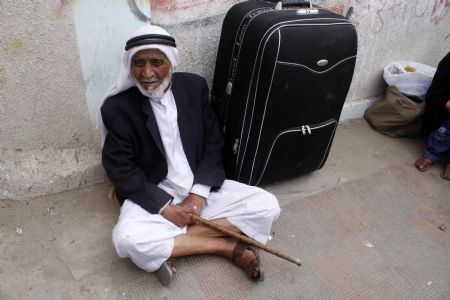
368,225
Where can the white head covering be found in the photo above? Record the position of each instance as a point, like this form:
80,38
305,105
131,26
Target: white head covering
125,79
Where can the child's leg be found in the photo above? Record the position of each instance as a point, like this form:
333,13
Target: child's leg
446,173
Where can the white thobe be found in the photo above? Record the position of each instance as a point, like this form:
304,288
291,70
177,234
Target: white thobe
148,239
179,177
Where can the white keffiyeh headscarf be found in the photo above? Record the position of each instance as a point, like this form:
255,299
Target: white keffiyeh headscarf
125,79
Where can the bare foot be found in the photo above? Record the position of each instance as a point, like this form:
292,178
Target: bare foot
172,263
423,163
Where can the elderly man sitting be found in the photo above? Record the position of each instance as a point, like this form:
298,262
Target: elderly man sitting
162,150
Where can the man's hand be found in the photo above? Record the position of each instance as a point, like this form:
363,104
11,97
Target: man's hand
193,202
447,105
177,214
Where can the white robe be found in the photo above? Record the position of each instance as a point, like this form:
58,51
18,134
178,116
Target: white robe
148,239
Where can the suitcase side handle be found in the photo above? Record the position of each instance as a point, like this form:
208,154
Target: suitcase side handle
299,3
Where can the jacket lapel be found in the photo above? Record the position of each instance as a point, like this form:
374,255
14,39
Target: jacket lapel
151,124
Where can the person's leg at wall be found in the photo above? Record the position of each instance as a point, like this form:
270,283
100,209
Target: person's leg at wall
446,141
434,115
446,173
431,155
423,163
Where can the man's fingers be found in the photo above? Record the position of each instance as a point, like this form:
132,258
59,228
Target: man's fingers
187,209
178,215
193,210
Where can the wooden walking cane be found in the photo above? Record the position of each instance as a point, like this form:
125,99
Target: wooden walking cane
243,238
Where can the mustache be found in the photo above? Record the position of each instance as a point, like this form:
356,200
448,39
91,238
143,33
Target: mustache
150,80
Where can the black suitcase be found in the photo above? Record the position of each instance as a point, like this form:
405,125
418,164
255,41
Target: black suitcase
280,82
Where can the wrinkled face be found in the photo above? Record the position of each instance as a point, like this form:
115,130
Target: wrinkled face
150,67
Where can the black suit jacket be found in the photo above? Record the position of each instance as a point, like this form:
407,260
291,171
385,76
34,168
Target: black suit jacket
133,154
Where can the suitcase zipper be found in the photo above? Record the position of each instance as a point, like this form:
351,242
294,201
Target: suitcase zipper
308,128
236,146
229,88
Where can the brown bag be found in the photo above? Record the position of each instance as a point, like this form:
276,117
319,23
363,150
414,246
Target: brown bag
396,115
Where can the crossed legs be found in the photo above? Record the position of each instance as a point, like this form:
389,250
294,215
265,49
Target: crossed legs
200,239
149,240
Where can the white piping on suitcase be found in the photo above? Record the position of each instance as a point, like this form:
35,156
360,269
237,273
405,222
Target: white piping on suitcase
267,98
268,94
253,73
239,33
279,25
297,130
234,62
317,72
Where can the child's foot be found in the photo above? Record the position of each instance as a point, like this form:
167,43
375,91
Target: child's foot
423,163
446,173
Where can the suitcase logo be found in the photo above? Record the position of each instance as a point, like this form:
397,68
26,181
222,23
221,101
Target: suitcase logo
322,63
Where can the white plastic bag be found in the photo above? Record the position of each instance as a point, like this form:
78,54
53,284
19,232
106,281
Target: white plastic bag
411,78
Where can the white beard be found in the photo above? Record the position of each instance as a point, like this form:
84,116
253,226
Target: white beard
155,92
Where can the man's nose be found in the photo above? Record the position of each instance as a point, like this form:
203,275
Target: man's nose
148,70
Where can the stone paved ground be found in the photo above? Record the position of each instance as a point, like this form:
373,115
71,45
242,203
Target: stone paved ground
366,226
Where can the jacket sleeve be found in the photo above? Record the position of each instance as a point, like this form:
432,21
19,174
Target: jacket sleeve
118,160
210,169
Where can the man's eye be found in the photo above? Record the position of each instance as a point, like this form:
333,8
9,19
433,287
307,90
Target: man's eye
157,62
138,63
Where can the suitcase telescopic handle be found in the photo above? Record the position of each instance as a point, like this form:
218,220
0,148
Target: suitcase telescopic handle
293,2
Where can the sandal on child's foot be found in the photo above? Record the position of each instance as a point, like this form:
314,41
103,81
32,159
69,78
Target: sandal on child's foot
446,173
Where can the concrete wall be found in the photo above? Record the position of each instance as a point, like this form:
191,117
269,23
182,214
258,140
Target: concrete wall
47,140
58,57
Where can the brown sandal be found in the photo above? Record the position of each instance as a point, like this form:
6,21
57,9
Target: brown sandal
446,173
250,267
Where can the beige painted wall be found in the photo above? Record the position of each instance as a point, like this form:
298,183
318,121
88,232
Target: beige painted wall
58,57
